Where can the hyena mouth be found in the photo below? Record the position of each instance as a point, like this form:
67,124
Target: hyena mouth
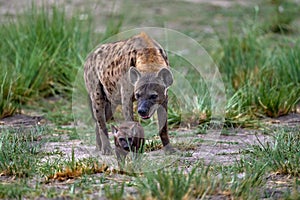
151,112
145,117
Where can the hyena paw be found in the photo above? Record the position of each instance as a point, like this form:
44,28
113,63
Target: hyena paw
169,150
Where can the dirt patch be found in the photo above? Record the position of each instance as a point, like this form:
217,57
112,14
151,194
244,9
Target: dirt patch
276,184
292,119
21,120
221,3
215,146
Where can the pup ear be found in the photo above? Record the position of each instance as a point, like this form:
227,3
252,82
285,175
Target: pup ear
132,129
134,75
132,126
114,129
167,76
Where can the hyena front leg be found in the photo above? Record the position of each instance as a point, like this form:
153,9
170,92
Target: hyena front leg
127,102
162,114
109,110
99,104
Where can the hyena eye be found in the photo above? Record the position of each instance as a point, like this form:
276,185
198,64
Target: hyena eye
153,96
122,139
137,95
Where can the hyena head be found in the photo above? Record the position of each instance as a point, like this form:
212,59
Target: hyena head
129,136
150,89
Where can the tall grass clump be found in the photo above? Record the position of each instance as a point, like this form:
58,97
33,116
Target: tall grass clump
261,75
40,52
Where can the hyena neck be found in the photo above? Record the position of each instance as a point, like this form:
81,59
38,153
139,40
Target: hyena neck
150,68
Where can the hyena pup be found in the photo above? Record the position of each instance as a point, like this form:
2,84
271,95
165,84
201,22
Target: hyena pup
125,71
128,137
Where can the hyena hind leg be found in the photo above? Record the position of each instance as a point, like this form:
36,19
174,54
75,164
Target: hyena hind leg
98,139
108,110
99,107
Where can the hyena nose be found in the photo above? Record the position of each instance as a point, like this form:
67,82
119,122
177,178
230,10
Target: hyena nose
142,111
126,148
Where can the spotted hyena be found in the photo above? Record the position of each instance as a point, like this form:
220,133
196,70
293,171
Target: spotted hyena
128,137
124,71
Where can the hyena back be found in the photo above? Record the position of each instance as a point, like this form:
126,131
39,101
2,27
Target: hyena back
124,71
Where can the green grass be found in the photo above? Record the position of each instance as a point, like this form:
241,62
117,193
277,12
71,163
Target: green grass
114,192
19,149
169,184
54,45
262,76
282,153
14,191
202,181
243,179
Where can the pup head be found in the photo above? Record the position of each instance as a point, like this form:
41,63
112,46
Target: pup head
129,136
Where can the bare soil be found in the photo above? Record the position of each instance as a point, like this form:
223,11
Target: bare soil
213,147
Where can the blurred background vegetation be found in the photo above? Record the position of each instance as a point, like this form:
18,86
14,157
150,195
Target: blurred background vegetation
255,45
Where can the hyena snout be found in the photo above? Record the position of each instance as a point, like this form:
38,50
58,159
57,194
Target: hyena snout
144,109
143,112
126,143
126,147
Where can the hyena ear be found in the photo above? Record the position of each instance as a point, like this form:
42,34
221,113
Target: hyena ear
134,75
167,76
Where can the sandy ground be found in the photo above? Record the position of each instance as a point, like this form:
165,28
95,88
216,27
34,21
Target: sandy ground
214,148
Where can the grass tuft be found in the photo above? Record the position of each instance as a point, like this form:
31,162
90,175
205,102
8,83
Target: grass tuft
283,153
13,191
166,184
73,168
19,149
114,192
